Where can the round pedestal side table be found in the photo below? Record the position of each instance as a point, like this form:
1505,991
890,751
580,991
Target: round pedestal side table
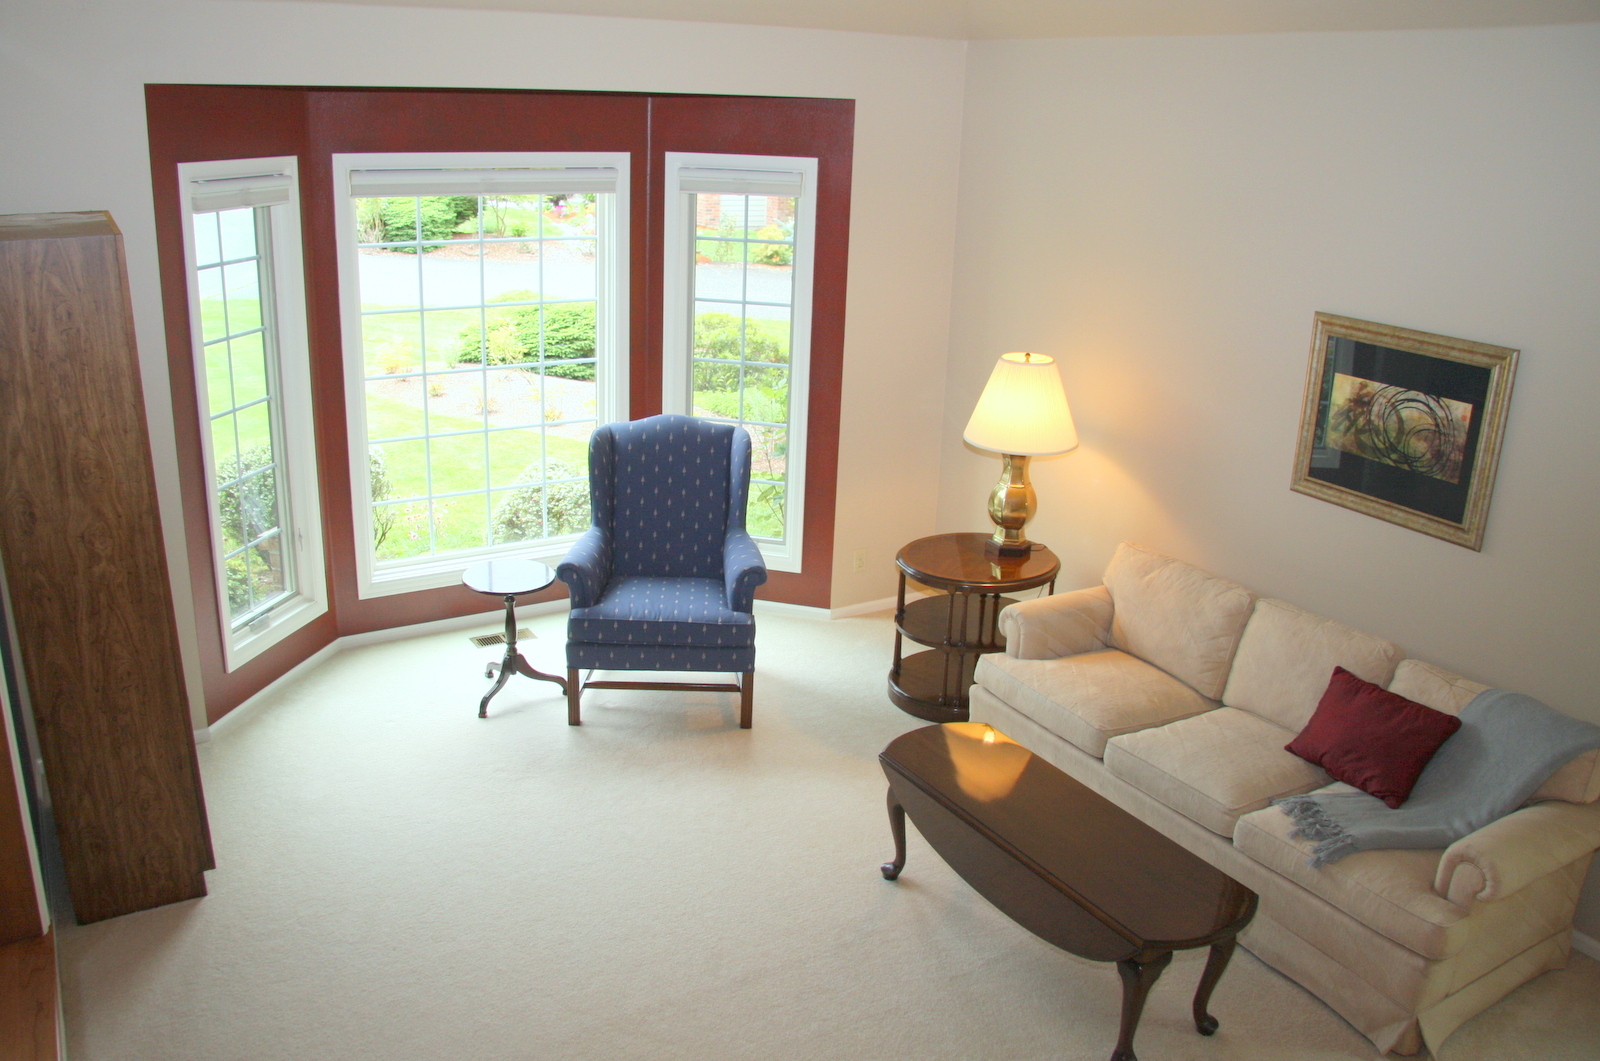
510,579
958,624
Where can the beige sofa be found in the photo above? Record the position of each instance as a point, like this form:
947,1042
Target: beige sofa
1173,692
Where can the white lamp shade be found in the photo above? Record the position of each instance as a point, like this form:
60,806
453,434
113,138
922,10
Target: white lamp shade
1023,409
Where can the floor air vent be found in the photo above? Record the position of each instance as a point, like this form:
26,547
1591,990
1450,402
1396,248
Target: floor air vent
485,640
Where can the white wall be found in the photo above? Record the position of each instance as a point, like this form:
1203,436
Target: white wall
73,72
1165,215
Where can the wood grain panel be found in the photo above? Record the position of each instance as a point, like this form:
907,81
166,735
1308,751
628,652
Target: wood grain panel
80,535
28,1007
20,917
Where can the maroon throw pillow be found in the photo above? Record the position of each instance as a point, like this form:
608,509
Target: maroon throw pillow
1368,737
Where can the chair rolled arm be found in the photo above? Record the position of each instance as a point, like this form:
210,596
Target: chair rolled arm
1512,852
587,568
742,569
1063,624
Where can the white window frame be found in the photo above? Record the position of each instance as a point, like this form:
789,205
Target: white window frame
611,340
271,182
678,319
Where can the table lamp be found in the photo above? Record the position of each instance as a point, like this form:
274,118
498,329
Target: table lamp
1022,413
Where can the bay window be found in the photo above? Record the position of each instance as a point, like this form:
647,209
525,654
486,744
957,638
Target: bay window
737,320
485,338
248,327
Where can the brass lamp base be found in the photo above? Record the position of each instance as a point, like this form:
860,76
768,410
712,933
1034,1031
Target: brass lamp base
1011,504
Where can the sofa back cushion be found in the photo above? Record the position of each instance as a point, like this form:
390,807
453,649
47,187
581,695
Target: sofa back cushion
1287,655
1176,616
1577,782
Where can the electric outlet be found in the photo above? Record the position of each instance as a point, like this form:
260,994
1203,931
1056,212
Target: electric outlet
861,560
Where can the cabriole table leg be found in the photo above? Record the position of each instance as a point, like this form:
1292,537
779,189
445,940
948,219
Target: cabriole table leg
1216,962
897,826
1137,980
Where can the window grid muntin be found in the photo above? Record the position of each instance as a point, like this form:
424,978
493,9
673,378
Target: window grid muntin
254,609
743,302
542,237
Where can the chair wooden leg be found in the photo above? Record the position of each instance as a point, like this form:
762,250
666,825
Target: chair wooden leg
746,696
574,689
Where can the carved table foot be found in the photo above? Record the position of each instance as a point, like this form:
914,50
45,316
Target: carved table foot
897,826
1221,951
1137,980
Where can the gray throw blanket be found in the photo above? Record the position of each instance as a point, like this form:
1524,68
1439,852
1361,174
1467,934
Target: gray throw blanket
1508,745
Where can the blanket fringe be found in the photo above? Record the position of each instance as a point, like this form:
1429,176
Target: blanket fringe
1312,823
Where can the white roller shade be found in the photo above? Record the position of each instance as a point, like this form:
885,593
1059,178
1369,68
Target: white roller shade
740,181
231,193
373,183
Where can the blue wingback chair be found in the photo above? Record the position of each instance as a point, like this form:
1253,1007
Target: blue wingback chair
665,577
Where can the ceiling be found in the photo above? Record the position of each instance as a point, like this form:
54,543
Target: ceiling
1013,19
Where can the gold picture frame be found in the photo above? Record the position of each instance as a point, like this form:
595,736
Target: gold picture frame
1404,425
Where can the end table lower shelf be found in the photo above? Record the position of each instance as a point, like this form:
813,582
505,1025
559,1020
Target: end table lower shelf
958,625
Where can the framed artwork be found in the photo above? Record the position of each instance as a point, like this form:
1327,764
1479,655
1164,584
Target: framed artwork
1404,425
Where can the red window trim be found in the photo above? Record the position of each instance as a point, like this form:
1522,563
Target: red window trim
191,123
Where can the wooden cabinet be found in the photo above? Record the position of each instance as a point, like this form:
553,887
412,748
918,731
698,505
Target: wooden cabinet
30,1027
80,538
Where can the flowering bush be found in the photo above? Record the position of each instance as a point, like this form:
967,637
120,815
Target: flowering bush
543,509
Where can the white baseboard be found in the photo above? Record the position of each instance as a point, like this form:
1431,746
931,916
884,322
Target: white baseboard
372,637
461,622
250,706
804,611
864,608
1586,945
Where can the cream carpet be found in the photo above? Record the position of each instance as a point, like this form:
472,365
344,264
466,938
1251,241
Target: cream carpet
399,880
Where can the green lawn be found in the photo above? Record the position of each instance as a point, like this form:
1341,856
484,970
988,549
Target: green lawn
458,463
236,374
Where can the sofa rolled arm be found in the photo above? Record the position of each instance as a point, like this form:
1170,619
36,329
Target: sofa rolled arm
742,569
1063,624
1513,852
587,568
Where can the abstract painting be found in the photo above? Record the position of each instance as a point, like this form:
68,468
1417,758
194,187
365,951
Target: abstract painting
1404,425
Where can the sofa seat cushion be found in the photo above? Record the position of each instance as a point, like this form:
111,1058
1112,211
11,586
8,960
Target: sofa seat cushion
1090,697
1214,767
1388,891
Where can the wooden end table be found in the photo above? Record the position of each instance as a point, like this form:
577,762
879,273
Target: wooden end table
1062,861
958,625
510,579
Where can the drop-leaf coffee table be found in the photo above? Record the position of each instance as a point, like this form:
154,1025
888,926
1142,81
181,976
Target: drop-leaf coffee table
1062,861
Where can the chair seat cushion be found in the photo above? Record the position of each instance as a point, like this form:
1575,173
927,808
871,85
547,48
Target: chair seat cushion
1092,696
649,610
1212,768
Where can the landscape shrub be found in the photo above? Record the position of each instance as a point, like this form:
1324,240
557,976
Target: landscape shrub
513,338
764,515
395,220
519,516
383,516
247,511
764,404
716,335
721,247
772,253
